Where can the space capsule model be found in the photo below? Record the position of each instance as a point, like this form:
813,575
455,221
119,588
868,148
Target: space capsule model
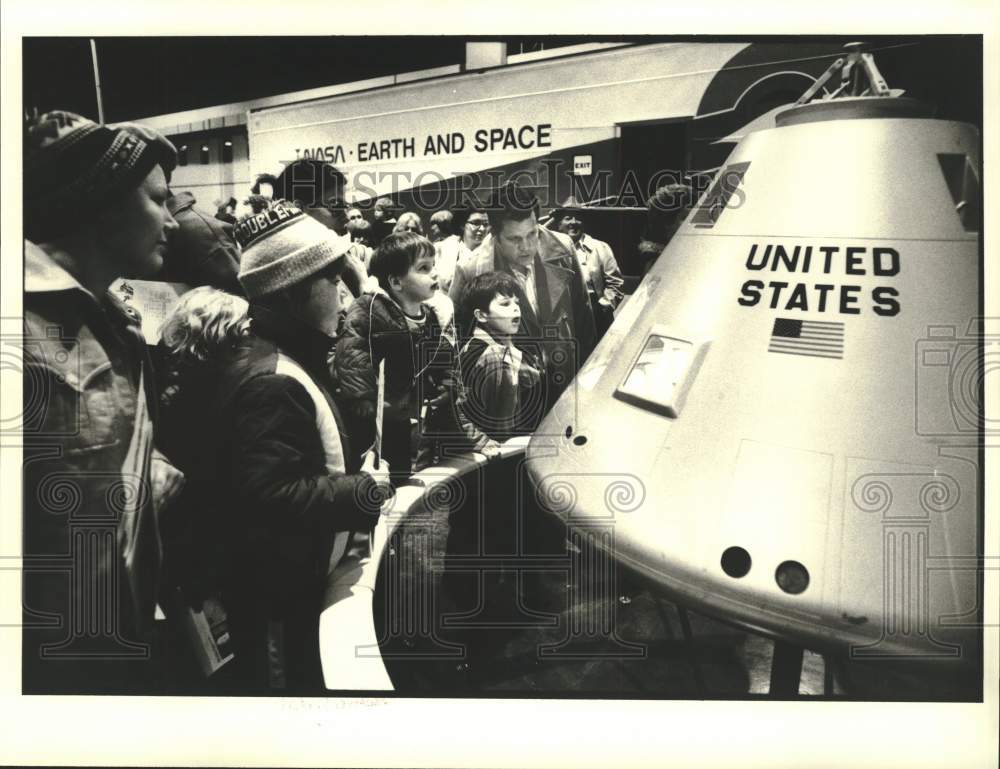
782,427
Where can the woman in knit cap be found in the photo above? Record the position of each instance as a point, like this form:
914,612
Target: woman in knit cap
94,210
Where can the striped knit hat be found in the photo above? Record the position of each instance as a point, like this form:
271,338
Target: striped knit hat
75,168
282,246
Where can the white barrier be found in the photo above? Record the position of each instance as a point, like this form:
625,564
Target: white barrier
348,642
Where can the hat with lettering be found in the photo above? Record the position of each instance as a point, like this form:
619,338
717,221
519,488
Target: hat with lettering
75,168
282,246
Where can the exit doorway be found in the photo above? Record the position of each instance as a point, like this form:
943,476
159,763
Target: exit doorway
653,154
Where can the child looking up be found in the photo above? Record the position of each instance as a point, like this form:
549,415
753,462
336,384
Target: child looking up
409,324
498,378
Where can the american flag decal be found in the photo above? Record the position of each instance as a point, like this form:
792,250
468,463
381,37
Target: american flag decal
818,338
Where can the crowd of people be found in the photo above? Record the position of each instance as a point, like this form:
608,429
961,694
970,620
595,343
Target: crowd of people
239,458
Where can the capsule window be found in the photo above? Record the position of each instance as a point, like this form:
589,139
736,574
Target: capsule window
715,201
661,374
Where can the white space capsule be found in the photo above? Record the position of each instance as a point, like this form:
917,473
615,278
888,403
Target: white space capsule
782,427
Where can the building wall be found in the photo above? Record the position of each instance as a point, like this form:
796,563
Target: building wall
216,181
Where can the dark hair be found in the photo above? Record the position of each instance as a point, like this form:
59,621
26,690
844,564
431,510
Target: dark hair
311,182
482,290
511,202
462,216
397,252
265,179
258,203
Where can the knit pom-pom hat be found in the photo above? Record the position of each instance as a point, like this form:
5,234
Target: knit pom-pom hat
283,246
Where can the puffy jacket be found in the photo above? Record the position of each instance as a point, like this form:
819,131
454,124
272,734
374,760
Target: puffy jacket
418,366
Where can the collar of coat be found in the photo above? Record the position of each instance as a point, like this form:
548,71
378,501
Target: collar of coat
440,306
556,254
42,272
42,275
179,202
507,349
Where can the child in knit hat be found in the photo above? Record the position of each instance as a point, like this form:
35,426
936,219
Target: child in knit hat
408,324
284,491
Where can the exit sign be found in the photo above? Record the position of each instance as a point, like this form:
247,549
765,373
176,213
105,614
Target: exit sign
583,165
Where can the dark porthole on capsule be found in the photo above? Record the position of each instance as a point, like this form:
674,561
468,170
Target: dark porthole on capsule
569,431
792,577
580,440
736,562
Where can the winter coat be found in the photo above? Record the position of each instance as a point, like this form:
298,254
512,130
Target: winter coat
418,367
499,381
266,498
89,525
601,269
202,251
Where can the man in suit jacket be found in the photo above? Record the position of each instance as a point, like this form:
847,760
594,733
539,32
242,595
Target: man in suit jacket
557,324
